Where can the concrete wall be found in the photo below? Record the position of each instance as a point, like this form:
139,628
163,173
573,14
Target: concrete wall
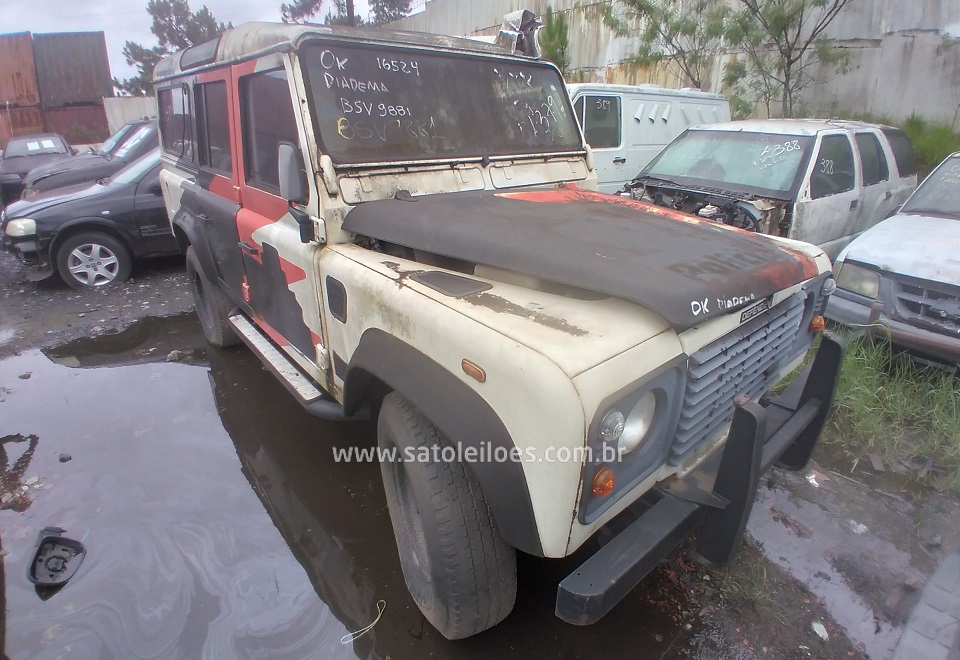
904,54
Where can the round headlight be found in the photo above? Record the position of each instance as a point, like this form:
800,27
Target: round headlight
829,286
611,428
21,227
638,423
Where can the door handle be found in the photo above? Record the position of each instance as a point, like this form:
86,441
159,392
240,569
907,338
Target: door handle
249,249
853,204
619,159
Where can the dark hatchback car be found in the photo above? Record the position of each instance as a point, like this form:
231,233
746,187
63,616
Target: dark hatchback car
91,233
129,143
23,154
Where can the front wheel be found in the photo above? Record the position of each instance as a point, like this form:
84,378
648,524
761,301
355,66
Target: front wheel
457,566
93,259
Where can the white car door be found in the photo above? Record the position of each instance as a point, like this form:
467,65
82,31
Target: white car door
878,199
828,202
600,116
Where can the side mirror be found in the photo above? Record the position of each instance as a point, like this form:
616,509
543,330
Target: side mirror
73,150
293,177
155,188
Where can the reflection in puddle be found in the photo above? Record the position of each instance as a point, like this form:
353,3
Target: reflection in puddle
217,523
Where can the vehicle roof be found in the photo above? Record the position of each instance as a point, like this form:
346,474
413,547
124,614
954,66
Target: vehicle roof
686,92
255,39
789,126
34,136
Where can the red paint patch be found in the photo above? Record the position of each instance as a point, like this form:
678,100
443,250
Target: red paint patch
292,272
277,338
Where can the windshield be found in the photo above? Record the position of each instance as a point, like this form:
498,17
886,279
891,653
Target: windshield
756,163
135,170
378,103
111,143
133,141
35,145
939,194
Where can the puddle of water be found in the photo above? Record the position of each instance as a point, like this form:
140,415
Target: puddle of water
843,542
217,524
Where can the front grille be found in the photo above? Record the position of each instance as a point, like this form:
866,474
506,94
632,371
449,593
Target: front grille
746,361
934,308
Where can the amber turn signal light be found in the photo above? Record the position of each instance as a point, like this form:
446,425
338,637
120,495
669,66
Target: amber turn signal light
603,482
473,370
818,323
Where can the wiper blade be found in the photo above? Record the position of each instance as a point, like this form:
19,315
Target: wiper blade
651,177
102,181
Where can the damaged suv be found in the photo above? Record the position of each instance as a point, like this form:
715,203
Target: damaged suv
402,225
824,182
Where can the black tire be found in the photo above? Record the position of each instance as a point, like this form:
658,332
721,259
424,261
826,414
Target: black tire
458,569
92,259
212,305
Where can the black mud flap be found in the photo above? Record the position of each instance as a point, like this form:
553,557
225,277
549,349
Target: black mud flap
783,429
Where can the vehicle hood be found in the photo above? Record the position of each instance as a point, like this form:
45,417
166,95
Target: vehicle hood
68,172
28,208
81,162
685,269
23,164
913,245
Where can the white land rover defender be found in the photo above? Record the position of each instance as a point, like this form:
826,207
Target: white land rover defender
402,224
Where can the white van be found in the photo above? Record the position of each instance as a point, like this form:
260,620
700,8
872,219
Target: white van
627,125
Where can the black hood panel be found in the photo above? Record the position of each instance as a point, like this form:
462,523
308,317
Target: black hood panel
683,268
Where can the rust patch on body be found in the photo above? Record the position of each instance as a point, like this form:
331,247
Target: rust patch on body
498,304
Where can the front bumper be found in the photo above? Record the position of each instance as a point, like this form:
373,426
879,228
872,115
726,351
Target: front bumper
717,498
878,323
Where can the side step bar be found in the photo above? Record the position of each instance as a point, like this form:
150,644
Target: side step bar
312,398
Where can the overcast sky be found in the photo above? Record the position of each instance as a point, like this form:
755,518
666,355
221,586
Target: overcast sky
123,20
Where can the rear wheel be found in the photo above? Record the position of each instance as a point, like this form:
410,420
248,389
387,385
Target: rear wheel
212,305
93,259
458,568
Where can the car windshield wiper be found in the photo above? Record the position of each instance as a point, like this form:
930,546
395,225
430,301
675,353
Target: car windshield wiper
102,181
653,178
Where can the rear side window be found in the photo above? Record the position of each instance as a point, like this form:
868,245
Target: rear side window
872,159
213,128
833,169
176,121
266,113
600,118
902,151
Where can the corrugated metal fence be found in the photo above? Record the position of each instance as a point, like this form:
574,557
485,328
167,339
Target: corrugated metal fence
55,83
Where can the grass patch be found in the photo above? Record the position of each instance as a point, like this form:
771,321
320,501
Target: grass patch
903,411
932,142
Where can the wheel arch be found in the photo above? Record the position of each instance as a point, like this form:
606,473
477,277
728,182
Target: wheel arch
383,363
83,225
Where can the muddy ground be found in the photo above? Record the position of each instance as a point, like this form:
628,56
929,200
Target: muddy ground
217,524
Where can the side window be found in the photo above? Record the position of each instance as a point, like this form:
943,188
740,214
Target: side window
902,151
600,118
833,168
267,117
176,121
213,128
874,162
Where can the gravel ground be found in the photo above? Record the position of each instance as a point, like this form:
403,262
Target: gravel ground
39,314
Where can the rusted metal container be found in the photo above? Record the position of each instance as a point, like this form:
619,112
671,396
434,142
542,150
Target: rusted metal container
80,124
18,73
72,68
19,121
